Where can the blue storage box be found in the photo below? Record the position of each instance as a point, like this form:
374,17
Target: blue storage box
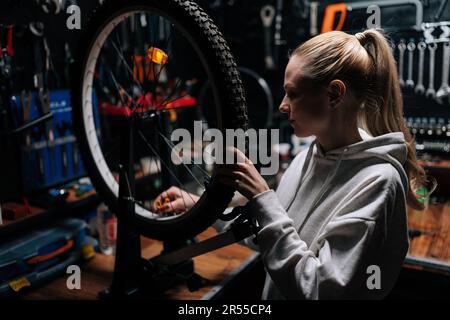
33,259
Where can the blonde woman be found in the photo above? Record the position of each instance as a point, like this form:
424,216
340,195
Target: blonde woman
339,212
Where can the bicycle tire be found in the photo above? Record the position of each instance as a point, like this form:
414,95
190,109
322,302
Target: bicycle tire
230,91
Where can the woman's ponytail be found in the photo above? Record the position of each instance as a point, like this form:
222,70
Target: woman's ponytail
383,106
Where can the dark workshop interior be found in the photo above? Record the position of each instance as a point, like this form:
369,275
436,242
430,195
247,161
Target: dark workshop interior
113,115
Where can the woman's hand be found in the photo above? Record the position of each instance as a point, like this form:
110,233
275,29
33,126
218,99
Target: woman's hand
243,176
175,200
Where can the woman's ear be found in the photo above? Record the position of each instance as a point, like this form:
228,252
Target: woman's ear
336,92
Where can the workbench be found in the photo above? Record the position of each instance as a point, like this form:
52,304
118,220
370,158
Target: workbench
220,267
430,250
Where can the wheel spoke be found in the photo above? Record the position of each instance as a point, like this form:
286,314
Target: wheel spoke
174,99
169,55
185,165
118,87
170,144
152,44
181,194
127,66
169,96
162,161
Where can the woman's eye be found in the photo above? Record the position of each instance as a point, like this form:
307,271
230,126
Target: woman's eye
289,94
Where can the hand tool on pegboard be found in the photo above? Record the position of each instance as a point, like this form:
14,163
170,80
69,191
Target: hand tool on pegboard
444,89
411,46
41,67
401,62
62,128
267,14
431,92
278,39
420,88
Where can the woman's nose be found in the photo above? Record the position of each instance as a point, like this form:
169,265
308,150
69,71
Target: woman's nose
284,107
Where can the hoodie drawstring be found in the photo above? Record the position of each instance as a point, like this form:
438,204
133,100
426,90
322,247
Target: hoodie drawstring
324,187
302,175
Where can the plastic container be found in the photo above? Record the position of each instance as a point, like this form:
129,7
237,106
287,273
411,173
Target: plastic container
107,230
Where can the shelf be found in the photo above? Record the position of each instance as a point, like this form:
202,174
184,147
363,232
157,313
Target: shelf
44,216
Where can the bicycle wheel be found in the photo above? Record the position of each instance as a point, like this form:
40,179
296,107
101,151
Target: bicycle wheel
144,59
259,100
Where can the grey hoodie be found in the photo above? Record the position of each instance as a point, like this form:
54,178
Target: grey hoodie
333,217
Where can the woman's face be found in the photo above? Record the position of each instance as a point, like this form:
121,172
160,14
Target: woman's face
306,105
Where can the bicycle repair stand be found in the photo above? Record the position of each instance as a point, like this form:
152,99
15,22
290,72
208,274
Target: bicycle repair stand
137,277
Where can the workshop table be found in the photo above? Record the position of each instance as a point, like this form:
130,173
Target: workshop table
430,250
219,267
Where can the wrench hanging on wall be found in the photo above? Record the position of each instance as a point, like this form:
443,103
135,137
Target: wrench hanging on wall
267,14
25,99
37,29
444,90
61,129
420,88
409,81
401,61
314,17
278,41
431,93
392,46
40,76
75,156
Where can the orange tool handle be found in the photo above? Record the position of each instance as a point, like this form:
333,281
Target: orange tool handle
159,204
330,13
39,259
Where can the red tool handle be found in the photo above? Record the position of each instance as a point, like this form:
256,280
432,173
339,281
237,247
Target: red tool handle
39,259
9,42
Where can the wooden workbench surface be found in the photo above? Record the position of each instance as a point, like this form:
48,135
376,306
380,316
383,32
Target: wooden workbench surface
216,266
434,242
96,274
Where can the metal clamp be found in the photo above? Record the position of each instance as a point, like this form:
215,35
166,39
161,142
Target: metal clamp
428,29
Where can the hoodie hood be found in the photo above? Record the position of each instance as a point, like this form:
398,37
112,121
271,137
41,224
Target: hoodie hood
388,147
391,144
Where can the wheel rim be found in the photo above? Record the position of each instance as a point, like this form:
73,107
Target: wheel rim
88,114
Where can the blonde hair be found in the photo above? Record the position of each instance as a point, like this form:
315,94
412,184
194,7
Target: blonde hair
366,64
